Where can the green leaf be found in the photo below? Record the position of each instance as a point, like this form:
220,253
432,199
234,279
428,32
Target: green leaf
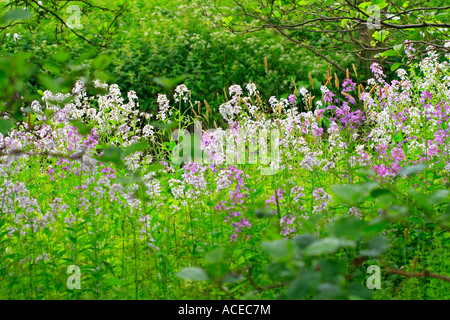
231,278
82,127
61,56
15,14
264,213
397,212
154,167
420,199
344,22
390,53
377,245
365,172
5,125
364,5
135,147
101,62
323,246
412,170
398,137
276,249
49,112
438,196
304,284
278,271
214,256
353,194
382,196
227,20
193,273
347,227
112,154
380,35
216,270
395,66
304,240
169,83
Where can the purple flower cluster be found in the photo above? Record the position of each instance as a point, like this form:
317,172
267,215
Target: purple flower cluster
287,225
233,179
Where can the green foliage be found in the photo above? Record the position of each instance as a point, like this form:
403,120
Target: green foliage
138,230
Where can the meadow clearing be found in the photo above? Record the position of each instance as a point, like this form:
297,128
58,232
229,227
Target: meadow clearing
282,179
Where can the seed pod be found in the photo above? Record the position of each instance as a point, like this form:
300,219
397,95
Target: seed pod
311,80
373,88
347,95
266,65
359,92
406,234
336,81
348,75
311,98
354,69
207,106
295,87
386,90
328,80
362,88
329,71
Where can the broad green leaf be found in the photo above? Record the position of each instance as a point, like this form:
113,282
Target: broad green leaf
304,240
347,227
111,154
214,256
15,14
438,196
231,278
276,249
420,199
389,53
353,194
193,273
82,127
135,147
323,246
395,66
377,245
101,62
5,125
264,213
306,283
412,170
